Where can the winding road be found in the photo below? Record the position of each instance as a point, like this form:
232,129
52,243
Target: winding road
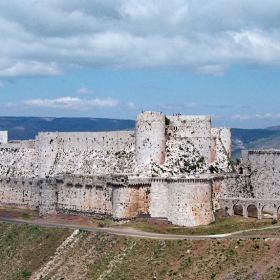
141,234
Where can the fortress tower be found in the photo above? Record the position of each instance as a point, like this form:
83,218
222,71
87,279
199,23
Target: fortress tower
150,138
196,129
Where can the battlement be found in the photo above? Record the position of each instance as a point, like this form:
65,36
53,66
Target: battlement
261,152
146,116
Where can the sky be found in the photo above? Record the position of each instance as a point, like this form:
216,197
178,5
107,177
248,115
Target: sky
114,59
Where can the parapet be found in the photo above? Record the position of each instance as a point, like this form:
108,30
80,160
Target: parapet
262,152
150,116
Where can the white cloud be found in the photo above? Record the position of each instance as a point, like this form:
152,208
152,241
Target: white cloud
84,90
72,103
179,106
131,106
241,117
217,70
31,68
248,117
267,115
205,37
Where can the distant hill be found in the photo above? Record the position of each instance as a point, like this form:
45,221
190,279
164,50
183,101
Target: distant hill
24,128
267,138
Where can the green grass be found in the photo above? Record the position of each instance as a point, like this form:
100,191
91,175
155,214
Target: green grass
26,216
24,248
225,225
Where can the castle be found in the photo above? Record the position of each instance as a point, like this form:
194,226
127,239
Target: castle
170,167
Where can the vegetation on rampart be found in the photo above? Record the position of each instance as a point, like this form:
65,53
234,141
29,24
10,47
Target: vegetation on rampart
183,158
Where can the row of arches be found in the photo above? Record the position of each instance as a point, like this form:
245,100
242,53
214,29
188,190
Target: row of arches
257,209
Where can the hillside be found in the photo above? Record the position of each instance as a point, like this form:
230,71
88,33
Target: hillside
51,253
268,138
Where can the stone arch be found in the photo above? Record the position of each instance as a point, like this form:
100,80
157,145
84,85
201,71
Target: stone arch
238,209
277,211
267,211
252,210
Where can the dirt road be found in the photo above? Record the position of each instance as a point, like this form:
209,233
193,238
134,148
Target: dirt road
137,233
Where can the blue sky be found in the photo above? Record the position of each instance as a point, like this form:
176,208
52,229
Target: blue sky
114,59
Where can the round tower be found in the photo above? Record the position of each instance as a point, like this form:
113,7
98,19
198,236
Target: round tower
150,138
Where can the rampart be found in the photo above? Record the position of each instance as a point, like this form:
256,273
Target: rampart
185,202
58,149
20,192
163,169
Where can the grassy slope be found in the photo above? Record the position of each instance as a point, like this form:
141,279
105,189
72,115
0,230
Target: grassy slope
26,248
225,225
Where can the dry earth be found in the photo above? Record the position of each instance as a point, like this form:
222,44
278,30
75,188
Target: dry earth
90,255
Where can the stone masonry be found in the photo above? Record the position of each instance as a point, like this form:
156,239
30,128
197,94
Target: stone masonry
172,167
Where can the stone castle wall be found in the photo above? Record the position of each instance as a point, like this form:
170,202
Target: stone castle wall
183,202
20,192
19,160
89,153
190,126
258,186
231,186
264,172
79,170
78,194
189,202
62,152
